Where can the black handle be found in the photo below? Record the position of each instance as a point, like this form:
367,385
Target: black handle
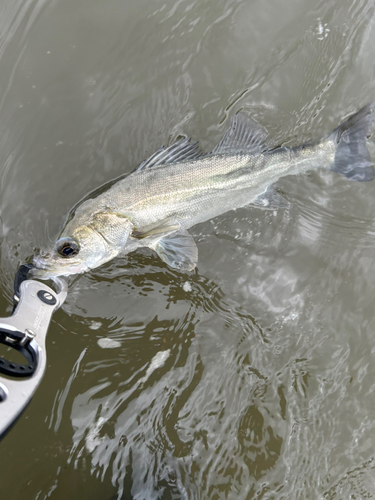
10,368
21,275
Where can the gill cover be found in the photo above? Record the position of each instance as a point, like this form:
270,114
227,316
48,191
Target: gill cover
85,244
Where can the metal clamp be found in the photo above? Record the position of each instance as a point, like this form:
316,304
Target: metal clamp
25,331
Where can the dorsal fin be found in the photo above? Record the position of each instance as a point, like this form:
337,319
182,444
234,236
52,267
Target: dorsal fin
243,135
178,151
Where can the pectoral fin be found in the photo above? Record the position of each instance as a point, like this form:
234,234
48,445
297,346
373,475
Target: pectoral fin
165,227
178,250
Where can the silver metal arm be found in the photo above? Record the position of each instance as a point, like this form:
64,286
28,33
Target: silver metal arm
25,331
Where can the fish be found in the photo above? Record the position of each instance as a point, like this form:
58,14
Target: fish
180,186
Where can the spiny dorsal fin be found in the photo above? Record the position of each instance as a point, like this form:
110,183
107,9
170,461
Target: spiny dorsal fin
244,134
178,151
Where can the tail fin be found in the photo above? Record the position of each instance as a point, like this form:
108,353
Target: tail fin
352,158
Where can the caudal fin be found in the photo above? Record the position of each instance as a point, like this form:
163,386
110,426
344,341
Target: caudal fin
352,158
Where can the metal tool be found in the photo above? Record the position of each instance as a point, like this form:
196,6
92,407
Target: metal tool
25,331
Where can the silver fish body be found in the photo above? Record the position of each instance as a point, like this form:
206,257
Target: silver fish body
179,187
198,190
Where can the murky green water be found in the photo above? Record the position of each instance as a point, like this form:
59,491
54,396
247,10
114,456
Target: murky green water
253,377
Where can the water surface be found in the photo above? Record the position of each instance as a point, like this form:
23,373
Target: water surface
252,377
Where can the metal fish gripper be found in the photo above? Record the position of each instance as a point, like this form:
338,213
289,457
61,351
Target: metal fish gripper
25,331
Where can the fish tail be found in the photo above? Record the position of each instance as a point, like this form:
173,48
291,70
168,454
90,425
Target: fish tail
352,157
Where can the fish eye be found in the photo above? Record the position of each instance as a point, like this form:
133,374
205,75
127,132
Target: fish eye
67,247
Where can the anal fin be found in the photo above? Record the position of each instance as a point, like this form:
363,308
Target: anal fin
270,200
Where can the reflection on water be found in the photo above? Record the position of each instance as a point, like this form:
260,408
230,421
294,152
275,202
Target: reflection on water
171,424
252,377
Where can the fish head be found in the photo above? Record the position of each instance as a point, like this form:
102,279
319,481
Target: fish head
84,245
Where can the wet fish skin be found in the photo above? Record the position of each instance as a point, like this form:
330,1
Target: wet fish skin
179,187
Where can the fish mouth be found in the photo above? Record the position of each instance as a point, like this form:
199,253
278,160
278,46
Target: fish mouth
45,269
39,262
